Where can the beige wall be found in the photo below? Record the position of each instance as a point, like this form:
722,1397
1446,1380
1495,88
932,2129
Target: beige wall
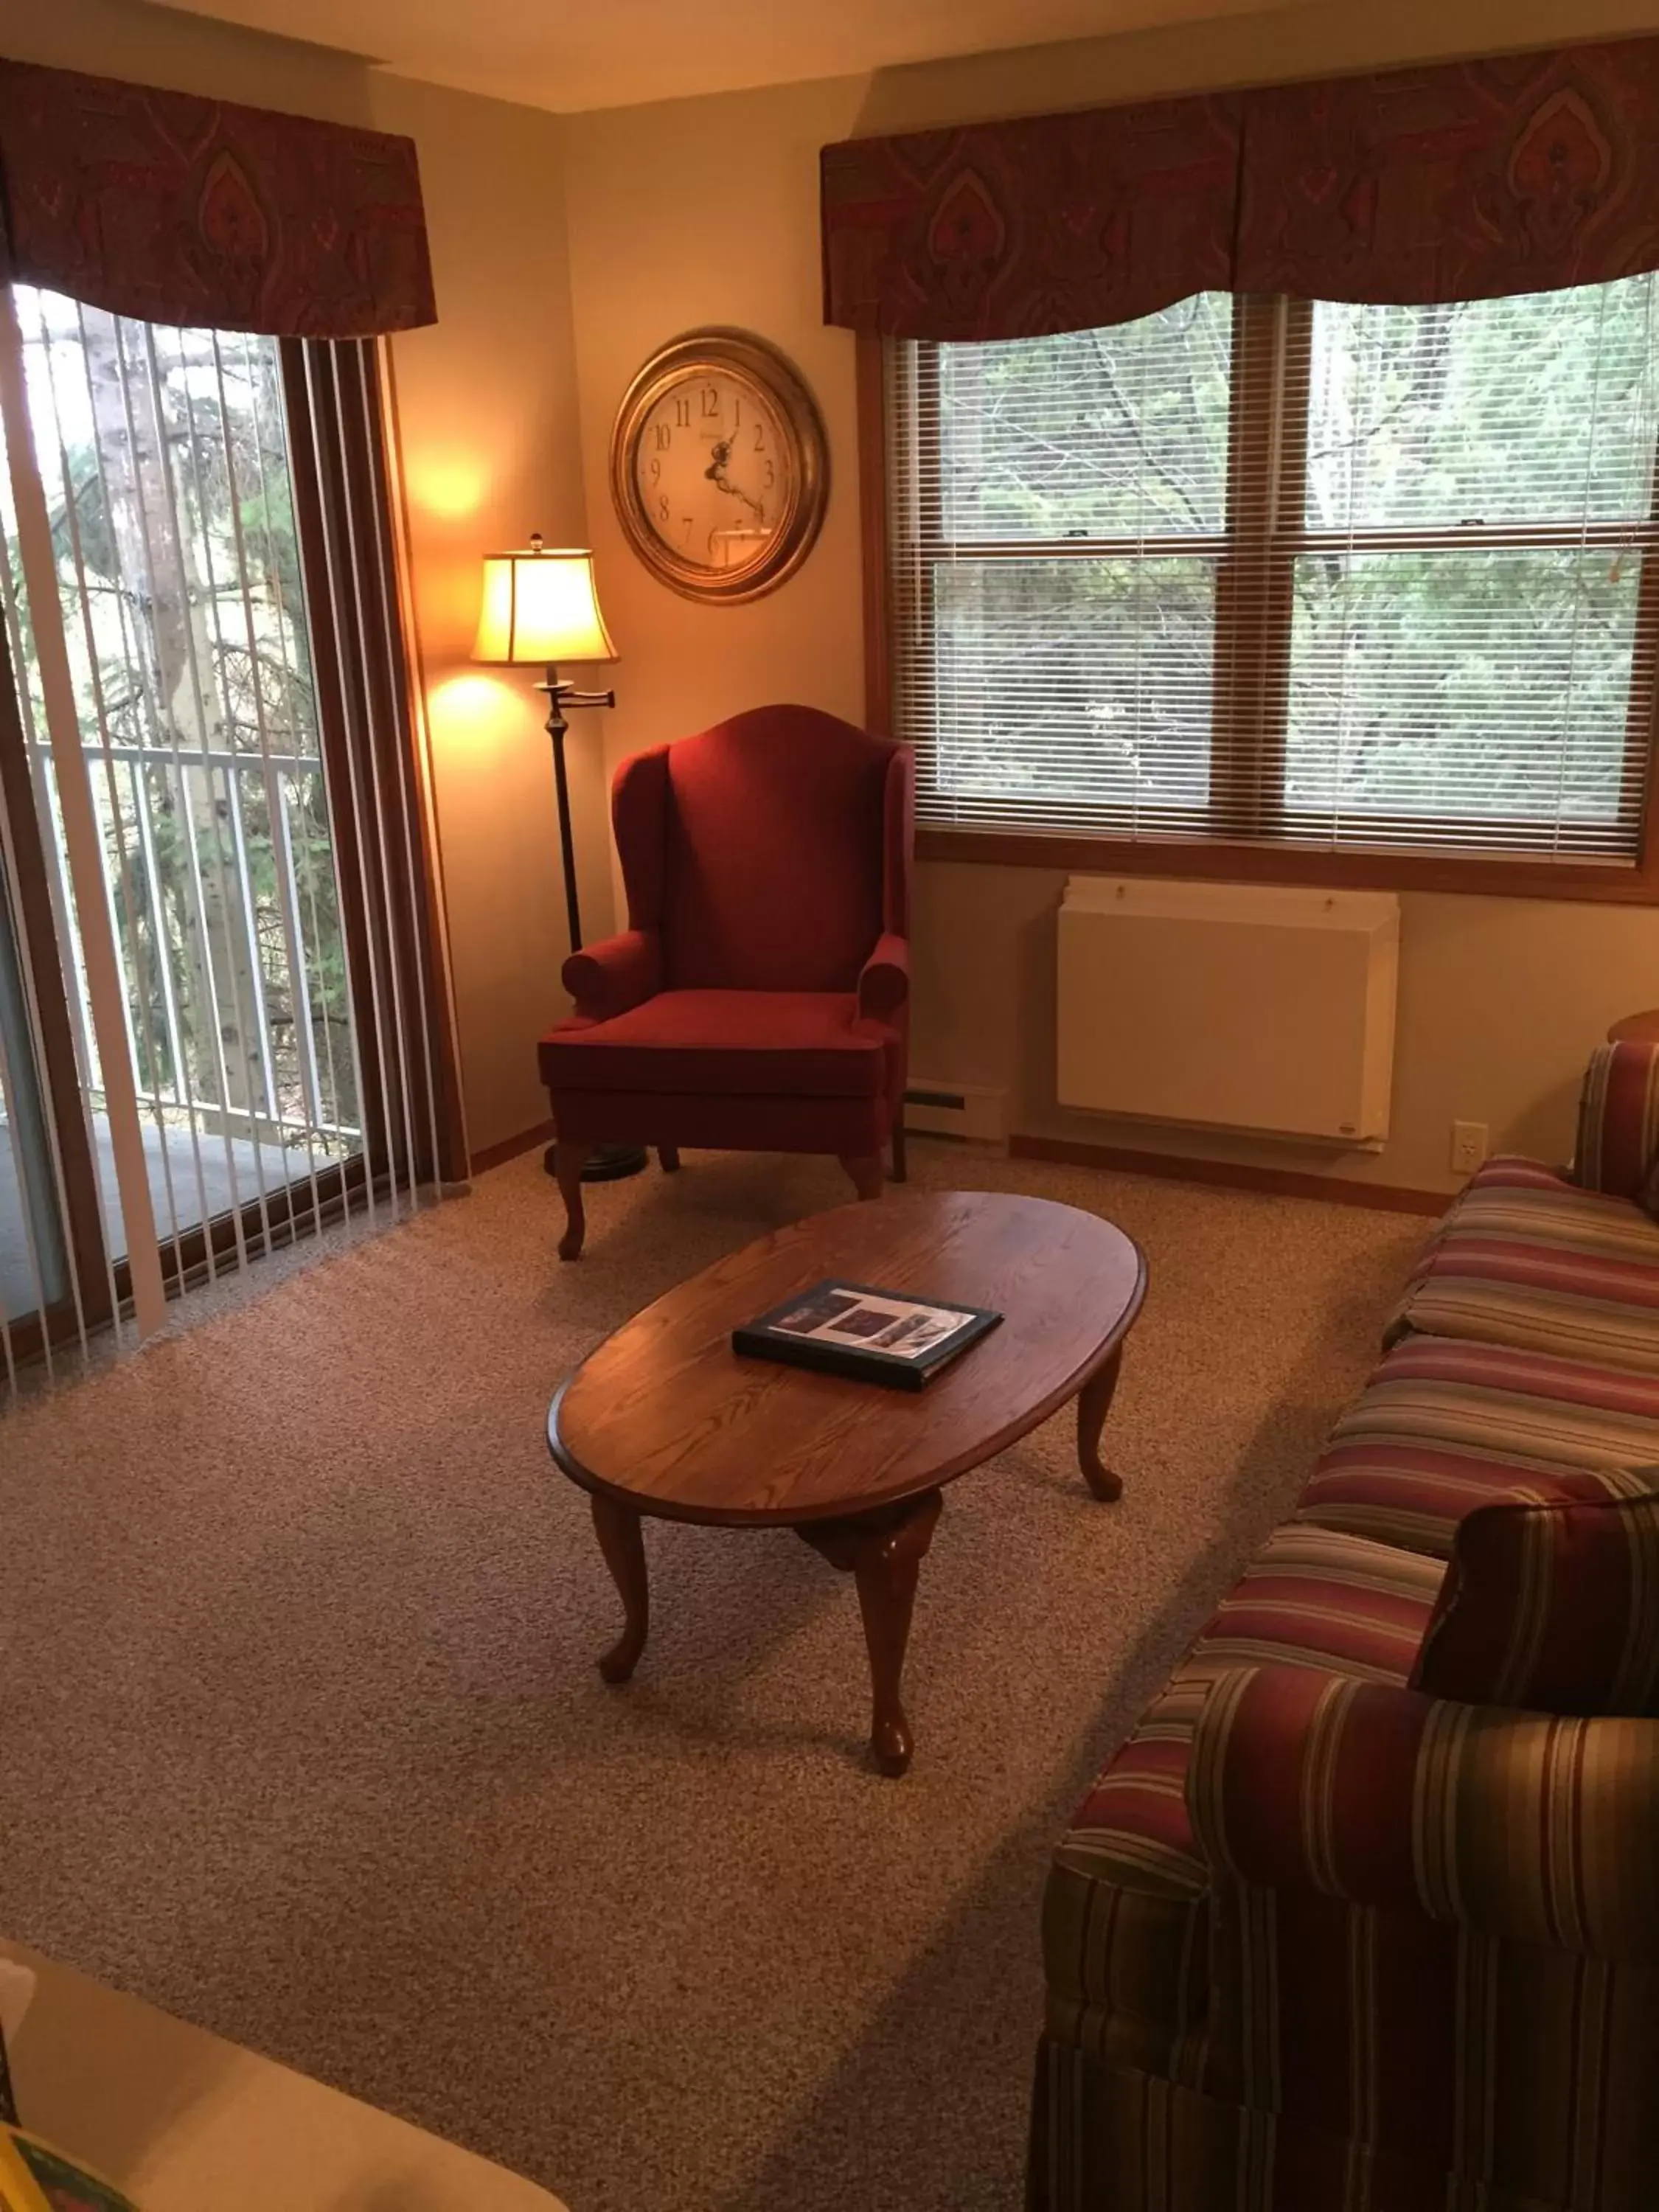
487,409
705,211
689,213
487,405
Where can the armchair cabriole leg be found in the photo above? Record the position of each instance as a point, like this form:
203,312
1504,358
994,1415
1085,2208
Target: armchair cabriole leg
567,1162
865,1168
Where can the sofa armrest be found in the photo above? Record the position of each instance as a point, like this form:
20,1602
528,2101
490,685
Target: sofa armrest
618,973
1618,1120
884,980
1519,1825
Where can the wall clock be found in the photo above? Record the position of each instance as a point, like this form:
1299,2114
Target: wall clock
718,465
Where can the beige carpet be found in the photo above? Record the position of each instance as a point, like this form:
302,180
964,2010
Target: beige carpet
302,1736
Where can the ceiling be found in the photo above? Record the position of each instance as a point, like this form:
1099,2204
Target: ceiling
568,55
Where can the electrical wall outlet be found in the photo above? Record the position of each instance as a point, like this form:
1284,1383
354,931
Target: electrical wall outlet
1469,1146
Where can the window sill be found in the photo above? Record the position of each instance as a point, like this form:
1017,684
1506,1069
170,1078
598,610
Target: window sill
1383,868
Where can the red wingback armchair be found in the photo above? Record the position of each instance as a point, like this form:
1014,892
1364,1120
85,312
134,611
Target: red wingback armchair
758,999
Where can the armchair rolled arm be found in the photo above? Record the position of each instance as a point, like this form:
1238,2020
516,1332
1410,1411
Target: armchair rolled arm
1520,1825
618,972
884,980
1618,1120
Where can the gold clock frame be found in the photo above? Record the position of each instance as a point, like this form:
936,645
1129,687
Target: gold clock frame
777,381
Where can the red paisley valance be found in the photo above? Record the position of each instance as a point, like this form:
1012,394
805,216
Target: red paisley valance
1456,182
199,212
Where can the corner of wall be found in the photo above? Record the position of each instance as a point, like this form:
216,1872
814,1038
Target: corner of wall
491,450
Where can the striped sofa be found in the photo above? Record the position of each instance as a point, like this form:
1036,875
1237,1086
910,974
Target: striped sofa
1363,1916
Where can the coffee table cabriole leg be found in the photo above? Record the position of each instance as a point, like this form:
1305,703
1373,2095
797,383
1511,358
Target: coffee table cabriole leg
1094,1403
622,1539
884,1554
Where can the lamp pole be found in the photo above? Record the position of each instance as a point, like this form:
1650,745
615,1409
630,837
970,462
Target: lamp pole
559,695
539,608
605,1163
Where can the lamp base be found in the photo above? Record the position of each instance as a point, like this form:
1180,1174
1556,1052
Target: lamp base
605,1163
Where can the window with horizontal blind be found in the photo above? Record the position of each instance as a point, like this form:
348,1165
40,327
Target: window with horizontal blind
1330,578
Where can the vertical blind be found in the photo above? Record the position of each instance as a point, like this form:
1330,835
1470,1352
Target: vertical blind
163,456
215,562
1272,570
224,1012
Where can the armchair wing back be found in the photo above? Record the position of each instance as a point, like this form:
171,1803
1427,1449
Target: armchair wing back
769,853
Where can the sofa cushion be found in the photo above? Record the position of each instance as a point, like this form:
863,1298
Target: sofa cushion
1311,1596
1526,1259
1129,1974
1618,1120
727,1043
1415,1495
1324,1598
1534,1200
1445,1427
1553,1608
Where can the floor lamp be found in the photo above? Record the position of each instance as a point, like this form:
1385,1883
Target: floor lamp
539,608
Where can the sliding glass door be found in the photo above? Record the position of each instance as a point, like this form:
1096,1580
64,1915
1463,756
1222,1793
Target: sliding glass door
163,457
224,1002
227,1019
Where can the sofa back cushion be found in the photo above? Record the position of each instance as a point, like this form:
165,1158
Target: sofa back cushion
1551,1608
1618,1147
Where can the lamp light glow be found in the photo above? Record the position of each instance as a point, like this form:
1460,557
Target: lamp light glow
540,606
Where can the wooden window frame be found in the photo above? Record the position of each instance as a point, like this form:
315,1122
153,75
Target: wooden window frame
1266,480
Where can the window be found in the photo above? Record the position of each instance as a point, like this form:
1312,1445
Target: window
1336,579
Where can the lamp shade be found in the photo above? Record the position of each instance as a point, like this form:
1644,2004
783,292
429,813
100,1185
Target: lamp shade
540,606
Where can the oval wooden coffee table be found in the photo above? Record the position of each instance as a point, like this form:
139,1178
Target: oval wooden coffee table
665,1419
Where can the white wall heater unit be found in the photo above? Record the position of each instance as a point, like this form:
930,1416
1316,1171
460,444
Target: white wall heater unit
1235,1006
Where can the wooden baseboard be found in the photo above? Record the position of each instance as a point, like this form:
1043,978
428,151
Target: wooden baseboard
1283,1183
1172,1167
494,1155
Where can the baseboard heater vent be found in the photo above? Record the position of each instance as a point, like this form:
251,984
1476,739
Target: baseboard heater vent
957,1110
1229,1005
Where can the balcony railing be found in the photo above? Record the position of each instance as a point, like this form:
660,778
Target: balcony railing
224,900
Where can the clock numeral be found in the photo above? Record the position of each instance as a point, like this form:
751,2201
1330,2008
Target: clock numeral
771,476
711,400
665,436
682,414
686,520
662,506
760,437
737,412
656,471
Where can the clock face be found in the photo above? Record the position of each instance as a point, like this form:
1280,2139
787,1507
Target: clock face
716,475
718,465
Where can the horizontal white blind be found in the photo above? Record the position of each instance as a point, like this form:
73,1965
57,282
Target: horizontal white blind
1268,570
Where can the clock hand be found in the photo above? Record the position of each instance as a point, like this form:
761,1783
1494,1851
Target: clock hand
716,475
